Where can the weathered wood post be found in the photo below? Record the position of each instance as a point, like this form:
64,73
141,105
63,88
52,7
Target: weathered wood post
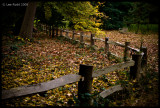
85,85
43,28
49,30
126,51
107,47
57,31
144,59
81,37
66,32
92,40
46,29
73,35
52,31
61,32
136,69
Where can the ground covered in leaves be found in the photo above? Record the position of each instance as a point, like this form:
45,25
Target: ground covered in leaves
27,62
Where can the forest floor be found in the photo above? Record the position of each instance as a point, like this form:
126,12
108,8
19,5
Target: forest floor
42,59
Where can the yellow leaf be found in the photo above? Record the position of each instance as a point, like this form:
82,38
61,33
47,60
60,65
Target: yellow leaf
134,81
150,86
133,89
114,103
150,81
154,79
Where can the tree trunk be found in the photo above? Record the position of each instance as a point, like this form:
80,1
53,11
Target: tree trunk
28,21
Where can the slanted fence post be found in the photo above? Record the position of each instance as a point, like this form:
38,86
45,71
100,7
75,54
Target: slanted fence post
107,47
81,37
85,85
126,51
73,35
135,70
92,40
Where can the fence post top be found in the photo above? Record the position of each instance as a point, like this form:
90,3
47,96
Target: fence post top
106,38
93,34
127,42
138,54
82,32
86,65
143,47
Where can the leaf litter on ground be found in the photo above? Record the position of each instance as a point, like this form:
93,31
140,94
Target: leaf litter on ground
47,59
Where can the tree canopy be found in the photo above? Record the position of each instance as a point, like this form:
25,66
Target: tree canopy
82,15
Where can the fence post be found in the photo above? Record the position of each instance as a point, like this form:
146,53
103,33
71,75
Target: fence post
136,69
73,35
126,51
52,31
81,37
92,40
66,32
107,47
57,31
46,29
144,59
85,85
43,28
49,30
60,32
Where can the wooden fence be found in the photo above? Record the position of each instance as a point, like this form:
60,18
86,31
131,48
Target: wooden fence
54,32
84,77
127,48
86,73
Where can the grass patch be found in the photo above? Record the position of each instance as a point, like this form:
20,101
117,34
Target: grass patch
143,28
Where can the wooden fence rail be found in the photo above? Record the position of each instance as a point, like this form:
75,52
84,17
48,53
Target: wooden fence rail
92,43
111,90
112,68
142,51
45,27
83,78
40,87
86,73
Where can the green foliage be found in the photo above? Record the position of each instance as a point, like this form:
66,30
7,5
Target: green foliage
142,14
143,28
48,14
76,15
36,21
116,11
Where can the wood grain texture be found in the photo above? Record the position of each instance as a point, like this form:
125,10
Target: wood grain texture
113,68
111,90
41,87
